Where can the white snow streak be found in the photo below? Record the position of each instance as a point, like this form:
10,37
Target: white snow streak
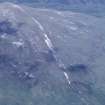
50,46
67,78
38,23
18,7
47,41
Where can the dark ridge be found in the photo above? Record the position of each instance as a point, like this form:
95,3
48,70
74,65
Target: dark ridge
7,60
48,56
26,73
20,69
24,76
6,27
26,79
77,68
34,66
